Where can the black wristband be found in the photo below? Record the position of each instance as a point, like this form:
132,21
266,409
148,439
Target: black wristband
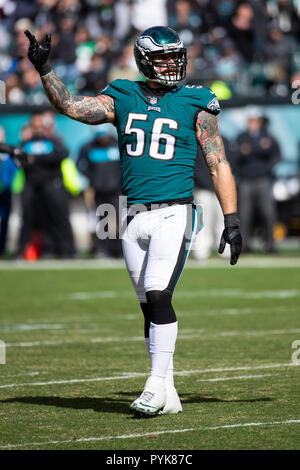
45,68
231,220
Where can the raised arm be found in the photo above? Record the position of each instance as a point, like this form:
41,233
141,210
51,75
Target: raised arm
211,143
87,109
90,110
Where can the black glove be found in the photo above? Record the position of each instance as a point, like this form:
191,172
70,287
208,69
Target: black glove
17,154
38,53
232,235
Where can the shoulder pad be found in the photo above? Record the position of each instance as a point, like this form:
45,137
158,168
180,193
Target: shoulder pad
119,85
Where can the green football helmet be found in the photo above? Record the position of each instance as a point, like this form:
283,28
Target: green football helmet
156,42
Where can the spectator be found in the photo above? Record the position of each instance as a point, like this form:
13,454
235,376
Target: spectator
33,88
122,11
46,12
100,17
196,61
64,51
229,66
242,32
284,12
66,47
95,79
125,67
99,161
48,120
256,63
7,172
223,11
147,13
278,54
85,48
44,197
18,46
258,152
14,91
65,7
186,21
212,43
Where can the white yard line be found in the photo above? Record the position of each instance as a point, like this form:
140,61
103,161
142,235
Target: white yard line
231,369
276,294
236,377
232,311
259,332
72,381
263,294
28,344
108,294
20,375
130,375
154,433
220,263
29,327
181,336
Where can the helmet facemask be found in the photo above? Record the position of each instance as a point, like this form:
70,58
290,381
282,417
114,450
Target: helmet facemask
149,51
173,71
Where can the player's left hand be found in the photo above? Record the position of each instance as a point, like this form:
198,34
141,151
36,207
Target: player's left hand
38,52
232,235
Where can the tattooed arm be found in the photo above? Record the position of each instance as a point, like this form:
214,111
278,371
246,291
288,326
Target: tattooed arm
90,110
211,143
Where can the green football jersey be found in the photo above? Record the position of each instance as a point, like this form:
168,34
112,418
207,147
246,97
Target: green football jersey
157,139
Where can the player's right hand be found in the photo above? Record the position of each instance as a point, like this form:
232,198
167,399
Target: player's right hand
231,235
38,52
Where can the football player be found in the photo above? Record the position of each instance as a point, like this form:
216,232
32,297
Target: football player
160,123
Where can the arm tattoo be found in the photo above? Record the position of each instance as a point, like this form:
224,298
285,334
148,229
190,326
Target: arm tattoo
90,110
210,140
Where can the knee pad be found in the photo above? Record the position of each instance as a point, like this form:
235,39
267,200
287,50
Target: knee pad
161,310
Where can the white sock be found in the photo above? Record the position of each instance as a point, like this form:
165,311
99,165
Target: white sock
162,339
170,371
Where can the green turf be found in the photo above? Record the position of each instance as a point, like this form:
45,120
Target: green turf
63,325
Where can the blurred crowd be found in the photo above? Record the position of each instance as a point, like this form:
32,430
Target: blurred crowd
46,183
241,48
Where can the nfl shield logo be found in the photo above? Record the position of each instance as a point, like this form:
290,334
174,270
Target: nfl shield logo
153,100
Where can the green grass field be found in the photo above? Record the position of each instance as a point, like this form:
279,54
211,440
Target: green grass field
75,358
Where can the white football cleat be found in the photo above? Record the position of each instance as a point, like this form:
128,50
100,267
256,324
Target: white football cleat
152,399
173,404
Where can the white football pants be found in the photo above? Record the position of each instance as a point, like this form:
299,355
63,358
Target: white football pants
156,244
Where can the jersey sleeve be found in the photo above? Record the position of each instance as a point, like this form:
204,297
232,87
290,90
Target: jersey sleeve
213,105
118,89
201,97
121,90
